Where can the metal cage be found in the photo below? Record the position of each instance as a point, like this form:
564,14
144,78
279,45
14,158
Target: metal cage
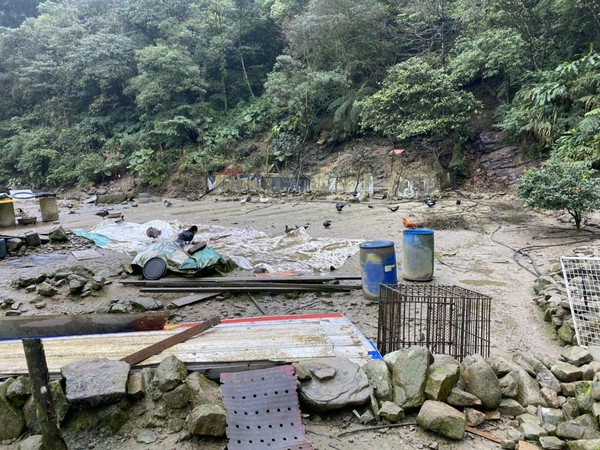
447,320
582,280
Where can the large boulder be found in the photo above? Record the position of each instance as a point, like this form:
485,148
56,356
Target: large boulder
380,379
93,382
480,380
333,383
203,390
409,376
207,420
528,390
442,419
170,373
12,422
441,380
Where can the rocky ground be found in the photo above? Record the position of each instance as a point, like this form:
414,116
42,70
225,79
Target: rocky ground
487,243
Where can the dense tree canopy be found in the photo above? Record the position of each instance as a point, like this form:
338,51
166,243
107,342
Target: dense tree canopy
94,88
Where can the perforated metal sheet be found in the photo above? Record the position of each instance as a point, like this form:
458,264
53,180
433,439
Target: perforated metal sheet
262,410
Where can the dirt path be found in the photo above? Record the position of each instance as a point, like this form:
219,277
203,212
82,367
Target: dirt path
479,257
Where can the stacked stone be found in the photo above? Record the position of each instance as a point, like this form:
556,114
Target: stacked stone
551,296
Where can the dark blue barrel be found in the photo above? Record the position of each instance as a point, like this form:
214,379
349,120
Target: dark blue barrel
2,248
378,264
417,255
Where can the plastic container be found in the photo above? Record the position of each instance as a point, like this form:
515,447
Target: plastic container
155,268
417,255
378,264
49,209
2,248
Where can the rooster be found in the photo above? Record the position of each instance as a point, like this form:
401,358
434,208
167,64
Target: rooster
407,223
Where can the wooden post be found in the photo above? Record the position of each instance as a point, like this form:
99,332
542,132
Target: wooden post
38,373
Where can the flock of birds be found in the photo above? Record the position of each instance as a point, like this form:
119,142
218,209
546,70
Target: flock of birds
154,233
407,223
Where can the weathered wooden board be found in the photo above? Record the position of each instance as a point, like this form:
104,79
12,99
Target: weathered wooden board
234,342
76,324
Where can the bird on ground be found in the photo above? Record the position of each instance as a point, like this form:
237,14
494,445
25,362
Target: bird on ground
153,233
23,214
370,206
69,205
290,229
103,213
264,199
393,208
167,203
407,223
458,202
430,202
120,219
327,223
186,236
339,206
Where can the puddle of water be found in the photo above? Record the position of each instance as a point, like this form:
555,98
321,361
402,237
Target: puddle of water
483,282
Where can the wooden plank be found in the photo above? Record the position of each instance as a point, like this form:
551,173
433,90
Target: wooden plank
280,279
18,327
161,346
484,434
194,298
262,288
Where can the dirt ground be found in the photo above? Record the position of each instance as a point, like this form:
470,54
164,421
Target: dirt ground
476,247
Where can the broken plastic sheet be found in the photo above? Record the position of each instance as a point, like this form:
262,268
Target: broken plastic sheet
178,260
128,237
296,251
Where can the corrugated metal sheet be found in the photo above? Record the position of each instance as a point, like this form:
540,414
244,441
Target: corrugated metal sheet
281,339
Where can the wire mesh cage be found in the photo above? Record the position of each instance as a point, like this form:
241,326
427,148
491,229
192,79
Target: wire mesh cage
582,280
447,320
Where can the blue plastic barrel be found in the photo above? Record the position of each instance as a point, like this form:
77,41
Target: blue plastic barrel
417,255
2,248
378,264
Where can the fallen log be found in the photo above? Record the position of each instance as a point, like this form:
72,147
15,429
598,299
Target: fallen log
19,327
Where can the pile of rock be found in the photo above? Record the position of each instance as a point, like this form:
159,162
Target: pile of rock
554,403
75,281
551,296
57,240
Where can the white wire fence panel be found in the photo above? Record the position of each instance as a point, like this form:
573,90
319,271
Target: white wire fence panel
582,280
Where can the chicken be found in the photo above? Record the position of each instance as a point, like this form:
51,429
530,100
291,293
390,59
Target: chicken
23,214
407,223
153,233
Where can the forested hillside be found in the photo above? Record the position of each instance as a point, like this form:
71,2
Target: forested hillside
92,89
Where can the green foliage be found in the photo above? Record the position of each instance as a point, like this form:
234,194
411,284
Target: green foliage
36,164
167,77
561,186
346,112
560,110
149,166
296,95
417,99
203,160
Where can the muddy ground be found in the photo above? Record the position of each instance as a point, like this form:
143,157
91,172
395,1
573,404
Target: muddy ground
479,245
